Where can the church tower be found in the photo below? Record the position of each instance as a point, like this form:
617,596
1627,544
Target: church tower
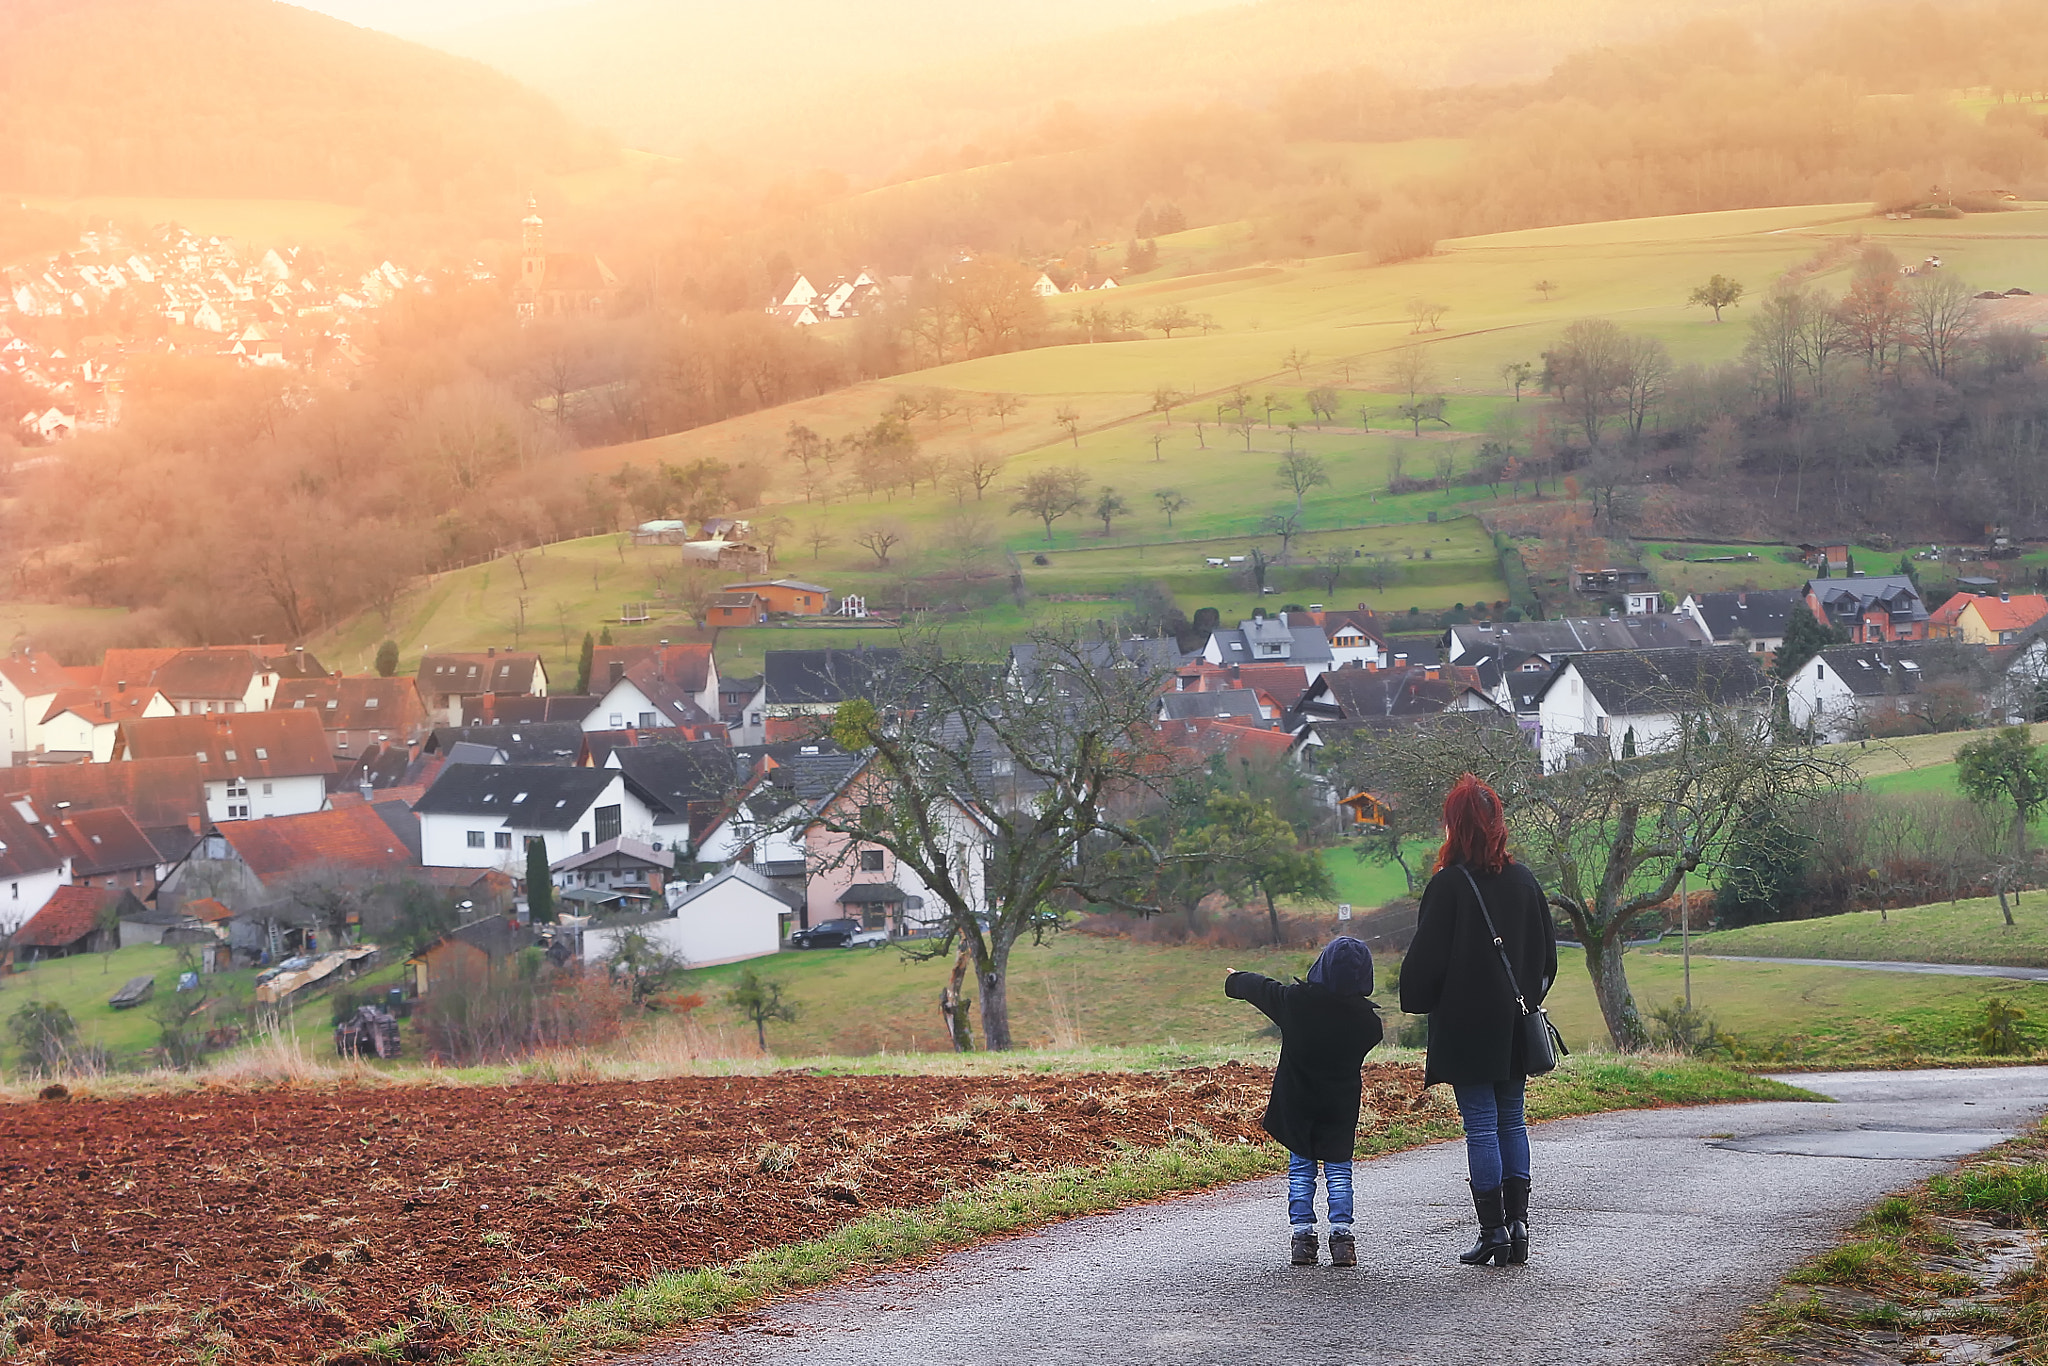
533,260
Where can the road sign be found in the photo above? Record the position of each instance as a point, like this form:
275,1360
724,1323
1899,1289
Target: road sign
1343,910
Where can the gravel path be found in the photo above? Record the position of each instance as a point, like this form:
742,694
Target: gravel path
1873,965
1653,1231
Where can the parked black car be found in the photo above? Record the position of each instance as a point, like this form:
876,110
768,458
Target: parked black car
826,934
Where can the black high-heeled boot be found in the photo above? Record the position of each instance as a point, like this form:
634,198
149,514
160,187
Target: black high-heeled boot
1515,1204
1494,1244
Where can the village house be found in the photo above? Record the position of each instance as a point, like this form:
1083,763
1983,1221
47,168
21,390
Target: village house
850,878
86,721
450,683
673,687
1342,700
484,815
684,785
622,866
1999,620
108,850
799,686
32,864
1871,609
734,915
29,683
166,798
204,682
688,668
1242,704
1624,703
358,711
1273,639
1853,692
469,955
1155,655
253,764
1753,617
789,597
68,923
736,609
1356,637
1554,640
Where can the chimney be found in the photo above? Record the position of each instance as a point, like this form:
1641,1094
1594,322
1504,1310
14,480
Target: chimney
618,670
1429,671
1401,661
121,686
491,652
366,789
2004,595
107,709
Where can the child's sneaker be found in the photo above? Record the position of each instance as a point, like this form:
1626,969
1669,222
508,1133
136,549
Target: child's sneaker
1304,1248
1343,1249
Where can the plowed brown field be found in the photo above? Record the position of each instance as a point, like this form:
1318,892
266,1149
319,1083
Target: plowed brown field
279,1225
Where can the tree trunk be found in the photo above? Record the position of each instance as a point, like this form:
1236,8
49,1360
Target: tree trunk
761,1032
959,1015
995,1000
1610,989
1273,915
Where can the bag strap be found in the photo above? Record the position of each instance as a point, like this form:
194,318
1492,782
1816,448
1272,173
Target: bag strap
1521,1002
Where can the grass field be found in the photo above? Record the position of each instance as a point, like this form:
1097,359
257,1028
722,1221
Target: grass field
82,983
1969,931
1079,991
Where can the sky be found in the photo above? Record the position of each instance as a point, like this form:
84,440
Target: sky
423,16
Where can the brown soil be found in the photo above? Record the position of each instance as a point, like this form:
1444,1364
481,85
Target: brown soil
273,1226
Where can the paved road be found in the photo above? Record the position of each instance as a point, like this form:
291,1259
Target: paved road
1871,965
1654,1230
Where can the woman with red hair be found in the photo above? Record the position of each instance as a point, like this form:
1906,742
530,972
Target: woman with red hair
1454,974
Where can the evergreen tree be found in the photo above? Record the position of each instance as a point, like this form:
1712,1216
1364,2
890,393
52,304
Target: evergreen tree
584,662
1766,867
1805,637
387,659
540,887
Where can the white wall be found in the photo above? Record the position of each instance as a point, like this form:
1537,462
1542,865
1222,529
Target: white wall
621,708
444,839
269,797
21,897
730,922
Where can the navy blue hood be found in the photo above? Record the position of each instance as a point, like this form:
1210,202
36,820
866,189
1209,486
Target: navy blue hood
1344,965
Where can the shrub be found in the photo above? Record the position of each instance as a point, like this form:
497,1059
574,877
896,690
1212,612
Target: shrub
1684,1028
1998,1033
508,1015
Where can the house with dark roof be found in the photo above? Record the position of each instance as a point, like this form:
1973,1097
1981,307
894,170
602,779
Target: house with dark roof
1884,607
1243,704
470,954
800,684
449,683
1357,636
358,711
533,742
736,609
252,764
1754,617
109,850
1553,640
685,786
1380,699
66,924
647,696
1276,639
484,815
1623,703
1855,692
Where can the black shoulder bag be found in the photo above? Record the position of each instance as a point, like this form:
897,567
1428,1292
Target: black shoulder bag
1537,1042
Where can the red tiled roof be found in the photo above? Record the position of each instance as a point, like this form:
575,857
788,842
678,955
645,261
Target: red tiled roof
156,792
253,744
686,666
469,674
26,846
65,918
348,837
133,667
100,705
104,841
207,909
34,674
1946,614
1203,736
2016,613
357,702
214,675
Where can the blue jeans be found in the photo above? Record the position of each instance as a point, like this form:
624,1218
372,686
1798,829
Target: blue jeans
1301,1193
1496,1138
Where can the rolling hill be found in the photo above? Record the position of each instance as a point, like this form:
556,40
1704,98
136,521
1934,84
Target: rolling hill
260,100
813,81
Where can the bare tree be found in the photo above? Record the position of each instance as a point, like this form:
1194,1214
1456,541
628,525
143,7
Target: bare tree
1285,525
1941,320
1331,562
879,539
1006,796
1051,494
1069,420
1296,360
1518,373
1425,314
1170,501
1003,406
817,536
1587,372
1410,371
1164,400
1301,472
1610,838
976,471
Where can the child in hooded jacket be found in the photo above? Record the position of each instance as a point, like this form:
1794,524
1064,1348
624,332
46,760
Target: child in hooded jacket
1327,1026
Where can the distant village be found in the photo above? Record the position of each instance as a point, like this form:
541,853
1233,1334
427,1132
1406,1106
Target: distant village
173,291
206,796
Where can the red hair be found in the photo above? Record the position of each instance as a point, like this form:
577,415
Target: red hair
1475,828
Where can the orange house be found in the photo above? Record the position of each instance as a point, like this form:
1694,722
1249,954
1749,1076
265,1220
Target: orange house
737,608
793,596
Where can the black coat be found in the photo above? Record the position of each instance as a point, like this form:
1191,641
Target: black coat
1453,973
1324,1037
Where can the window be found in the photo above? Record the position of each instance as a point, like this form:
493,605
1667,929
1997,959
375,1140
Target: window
266,789
501,839
238,813
608,823
369,704
618,720
476,839
755,719
332,703
648,720
871,860
238,787
229,755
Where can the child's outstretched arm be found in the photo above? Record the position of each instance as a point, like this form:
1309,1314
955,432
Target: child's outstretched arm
1261,991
